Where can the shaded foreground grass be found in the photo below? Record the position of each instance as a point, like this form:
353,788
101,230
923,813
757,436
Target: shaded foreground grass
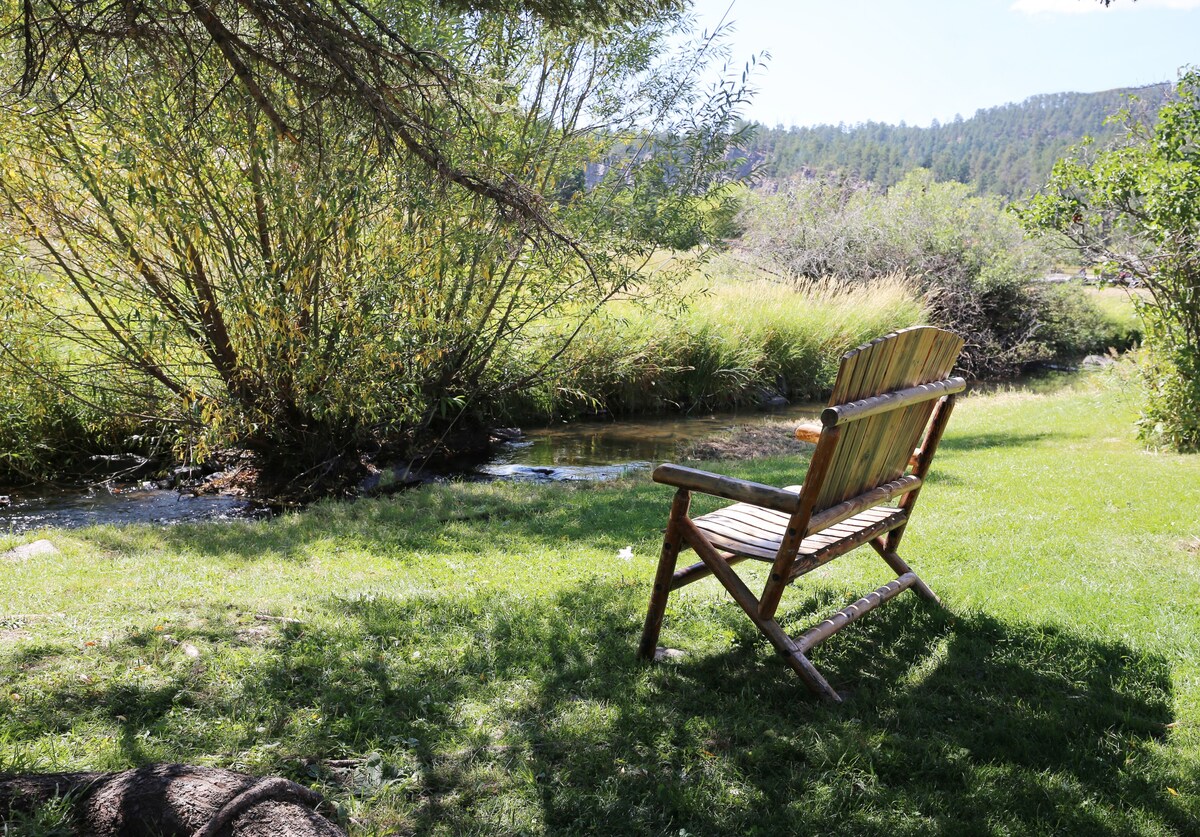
472,646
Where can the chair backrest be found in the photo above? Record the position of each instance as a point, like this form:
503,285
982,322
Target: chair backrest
875,450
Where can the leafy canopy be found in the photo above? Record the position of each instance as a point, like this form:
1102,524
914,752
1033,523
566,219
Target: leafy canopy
1135,208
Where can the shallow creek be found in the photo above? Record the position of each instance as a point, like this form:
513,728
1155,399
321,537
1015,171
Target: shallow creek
580,450
602,450
115,504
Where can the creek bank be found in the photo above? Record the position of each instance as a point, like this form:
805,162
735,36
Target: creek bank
748,441
583,450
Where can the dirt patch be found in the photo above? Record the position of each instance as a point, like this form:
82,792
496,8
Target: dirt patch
255,635
1190,545
749,441
11,635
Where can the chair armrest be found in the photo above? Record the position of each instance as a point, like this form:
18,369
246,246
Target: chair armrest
744,491
809,432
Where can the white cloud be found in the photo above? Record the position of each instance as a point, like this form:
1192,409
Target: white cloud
1079,7
1057,7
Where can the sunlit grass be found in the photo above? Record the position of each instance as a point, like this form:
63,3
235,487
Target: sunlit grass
1117,305
473,645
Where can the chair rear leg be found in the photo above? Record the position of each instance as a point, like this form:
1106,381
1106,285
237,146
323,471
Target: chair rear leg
900,567
672,543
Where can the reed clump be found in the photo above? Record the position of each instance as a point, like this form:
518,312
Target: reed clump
735,338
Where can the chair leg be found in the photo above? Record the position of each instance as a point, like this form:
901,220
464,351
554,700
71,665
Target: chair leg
658,597
900,567
769,628
672,542
799,663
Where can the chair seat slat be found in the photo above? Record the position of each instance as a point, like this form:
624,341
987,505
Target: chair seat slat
745,530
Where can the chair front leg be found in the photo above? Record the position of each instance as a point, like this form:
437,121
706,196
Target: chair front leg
672,543
737,588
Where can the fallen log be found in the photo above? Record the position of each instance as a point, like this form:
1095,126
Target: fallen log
173,800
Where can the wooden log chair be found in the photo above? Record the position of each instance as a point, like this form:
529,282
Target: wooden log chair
890,404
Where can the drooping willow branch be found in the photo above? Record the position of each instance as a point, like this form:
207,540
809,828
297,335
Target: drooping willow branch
339,51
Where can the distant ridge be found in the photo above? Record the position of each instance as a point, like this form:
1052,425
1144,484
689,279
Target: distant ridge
1006,150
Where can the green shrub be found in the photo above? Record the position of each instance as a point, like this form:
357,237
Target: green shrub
968,257
1135,208
1170,418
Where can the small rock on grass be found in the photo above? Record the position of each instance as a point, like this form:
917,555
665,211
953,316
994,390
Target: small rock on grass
29,550
1097,361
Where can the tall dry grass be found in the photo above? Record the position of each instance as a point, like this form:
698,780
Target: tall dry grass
734,338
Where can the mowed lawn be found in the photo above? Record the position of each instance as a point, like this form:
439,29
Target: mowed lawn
460,659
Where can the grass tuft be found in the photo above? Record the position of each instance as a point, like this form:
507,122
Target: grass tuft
740,338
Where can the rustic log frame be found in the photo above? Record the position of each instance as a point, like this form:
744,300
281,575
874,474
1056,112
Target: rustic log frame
173,800
808,508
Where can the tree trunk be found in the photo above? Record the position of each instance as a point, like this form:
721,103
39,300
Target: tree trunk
175,800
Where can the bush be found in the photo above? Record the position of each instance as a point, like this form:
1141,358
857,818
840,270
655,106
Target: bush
967,256
1170,418
1135,208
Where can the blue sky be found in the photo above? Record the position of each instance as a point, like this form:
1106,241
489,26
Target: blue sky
889,60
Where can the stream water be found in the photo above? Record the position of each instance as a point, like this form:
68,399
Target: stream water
598,450
72,508
580,450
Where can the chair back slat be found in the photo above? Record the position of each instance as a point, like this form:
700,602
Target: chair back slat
876,449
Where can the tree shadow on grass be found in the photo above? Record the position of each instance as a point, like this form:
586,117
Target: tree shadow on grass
497,712
955,726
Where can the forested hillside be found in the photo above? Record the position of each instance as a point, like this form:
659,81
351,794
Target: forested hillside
1006,150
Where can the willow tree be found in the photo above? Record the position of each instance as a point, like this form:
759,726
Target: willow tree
374,61
267,267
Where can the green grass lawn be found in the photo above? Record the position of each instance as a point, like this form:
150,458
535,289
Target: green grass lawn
1117,306
473,646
